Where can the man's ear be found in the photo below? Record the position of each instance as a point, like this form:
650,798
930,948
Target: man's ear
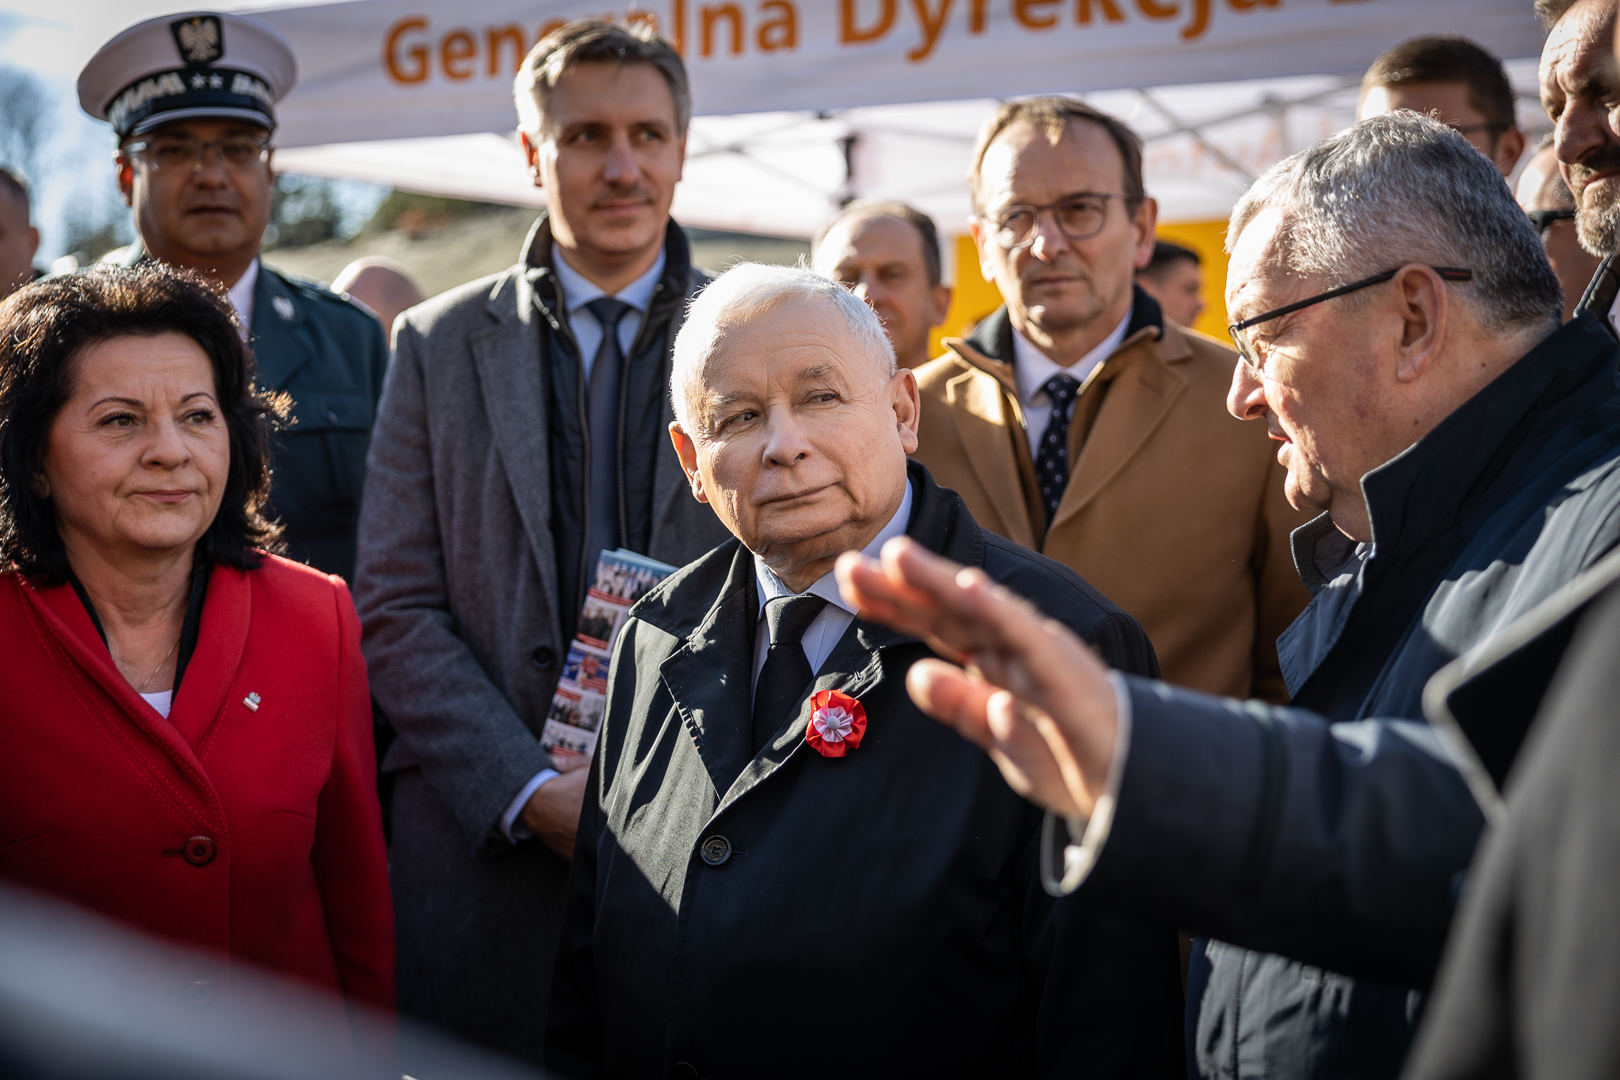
976,230
1147,220
126,179
686,450
1422,303
1509,148
941,296
907,404
531,153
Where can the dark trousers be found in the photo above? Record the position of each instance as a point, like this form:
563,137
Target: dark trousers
477,933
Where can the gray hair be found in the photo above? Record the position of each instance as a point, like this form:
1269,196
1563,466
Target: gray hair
595,41
749,289
1403,188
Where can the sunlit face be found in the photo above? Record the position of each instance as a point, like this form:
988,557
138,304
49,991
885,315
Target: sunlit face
1057,284
1320,395
1179,289
1581,93
199,216
881,258
609,159
137,458
798,436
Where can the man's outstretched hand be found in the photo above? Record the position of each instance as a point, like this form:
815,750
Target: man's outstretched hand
1051,725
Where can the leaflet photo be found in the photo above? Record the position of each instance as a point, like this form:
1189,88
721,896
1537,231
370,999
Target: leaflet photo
599,621
586,667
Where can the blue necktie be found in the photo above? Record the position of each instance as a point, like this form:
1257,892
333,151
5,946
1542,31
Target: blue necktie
602,521
1052,462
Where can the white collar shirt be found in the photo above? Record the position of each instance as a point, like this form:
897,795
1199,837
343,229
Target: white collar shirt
242,297
578,290
827,627
1032,368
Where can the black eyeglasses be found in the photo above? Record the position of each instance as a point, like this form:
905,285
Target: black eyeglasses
1546,219
1245,348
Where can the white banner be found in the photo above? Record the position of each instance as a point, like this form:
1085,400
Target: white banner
383,69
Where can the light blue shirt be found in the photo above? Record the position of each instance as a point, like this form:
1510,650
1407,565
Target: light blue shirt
578,291
827,627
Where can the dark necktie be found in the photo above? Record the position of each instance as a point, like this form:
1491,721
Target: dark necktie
1052,462
786,674
602,522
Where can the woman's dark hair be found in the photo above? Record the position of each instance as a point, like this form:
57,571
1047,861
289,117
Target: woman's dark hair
45,329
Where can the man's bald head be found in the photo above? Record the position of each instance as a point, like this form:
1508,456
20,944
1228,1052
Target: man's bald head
382,285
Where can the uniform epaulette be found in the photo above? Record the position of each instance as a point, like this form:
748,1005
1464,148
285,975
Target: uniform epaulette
316,289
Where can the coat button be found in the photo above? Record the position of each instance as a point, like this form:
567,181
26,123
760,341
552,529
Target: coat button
199,851
682,1070
199,994
544,656
715,850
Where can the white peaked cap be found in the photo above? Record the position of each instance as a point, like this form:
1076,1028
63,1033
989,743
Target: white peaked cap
189,65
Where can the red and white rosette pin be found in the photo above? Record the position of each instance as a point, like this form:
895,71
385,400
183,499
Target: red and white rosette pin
837,722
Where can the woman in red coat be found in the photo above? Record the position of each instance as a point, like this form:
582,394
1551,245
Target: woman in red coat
185,719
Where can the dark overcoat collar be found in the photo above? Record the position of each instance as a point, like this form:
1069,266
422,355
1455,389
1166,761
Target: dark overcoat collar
711,606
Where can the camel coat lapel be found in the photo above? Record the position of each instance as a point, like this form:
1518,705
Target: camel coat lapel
1142,389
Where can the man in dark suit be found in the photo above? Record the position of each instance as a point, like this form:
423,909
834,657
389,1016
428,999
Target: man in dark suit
192,102
783,868
515,440
1323,846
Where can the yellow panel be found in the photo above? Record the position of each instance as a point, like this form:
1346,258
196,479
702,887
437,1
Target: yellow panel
1208,238
975,297
972,299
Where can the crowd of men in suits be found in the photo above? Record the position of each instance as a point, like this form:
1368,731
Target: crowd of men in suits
1248,710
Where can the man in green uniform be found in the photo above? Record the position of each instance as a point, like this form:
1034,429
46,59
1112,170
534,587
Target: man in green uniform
192,101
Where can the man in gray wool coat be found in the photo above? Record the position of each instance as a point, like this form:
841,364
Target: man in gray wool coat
522,431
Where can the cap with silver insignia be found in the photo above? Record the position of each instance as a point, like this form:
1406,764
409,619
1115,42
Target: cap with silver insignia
201,64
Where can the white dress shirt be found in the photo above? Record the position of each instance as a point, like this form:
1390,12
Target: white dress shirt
827,627
242,296
162,701
1032,368
578,290
1614,314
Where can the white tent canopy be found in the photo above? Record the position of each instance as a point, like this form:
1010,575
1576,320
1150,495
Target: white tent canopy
802,104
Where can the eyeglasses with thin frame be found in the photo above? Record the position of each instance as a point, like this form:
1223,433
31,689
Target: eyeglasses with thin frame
1079,216
167,153
1546,219
1251,360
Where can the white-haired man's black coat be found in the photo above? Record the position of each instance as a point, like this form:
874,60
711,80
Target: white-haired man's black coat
875,915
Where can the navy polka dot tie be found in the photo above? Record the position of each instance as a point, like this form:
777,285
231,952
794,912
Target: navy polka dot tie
1052,461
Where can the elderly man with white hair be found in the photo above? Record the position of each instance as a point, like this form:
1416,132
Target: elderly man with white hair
1399,327
784,868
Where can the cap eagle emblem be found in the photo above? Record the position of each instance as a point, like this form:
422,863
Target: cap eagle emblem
200,39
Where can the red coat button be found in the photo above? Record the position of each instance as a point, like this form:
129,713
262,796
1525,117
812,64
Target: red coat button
198,851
